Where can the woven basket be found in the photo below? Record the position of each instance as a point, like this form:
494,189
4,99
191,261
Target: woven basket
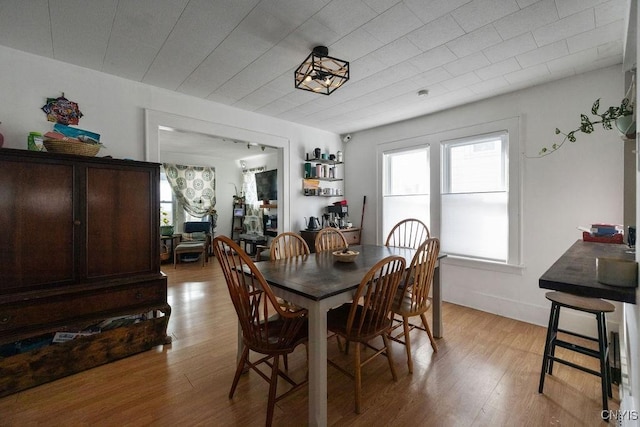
71,147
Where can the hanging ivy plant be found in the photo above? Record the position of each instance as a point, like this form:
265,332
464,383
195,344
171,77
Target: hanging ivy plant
607,119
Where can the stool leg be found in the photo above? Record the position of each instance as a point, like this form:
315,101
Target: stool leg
547,344
604,375
606,355
554,335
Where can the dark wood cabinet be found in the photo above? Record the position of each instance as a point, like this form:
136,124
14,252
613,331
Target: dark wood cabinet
80,244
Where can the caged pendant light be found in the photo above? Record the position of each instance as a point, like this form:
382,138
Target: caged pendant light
321,73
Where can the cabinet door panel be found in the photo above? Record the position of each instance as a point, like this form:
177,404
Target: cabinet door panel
37,222
120,221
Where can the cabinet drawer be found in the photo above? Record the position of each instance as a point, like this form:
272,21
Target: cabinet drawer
73,307
352,236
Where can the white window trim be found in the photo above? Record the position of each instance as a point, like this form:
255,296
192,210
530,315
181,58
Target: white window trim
434,141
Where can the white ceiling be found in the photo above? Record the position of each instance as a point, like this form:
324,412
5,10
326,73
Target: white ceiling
243,53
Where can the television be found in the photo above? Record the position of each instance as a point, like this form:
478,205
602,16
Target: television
267,185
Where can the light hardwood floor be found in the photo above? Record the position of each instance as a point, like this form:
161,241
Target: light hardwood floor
485,374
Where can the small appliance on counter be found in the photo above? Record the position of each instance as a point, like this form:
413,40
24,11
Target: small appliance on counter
338,215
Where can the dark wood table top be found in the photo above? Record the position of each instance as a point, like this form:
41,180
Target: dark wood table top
319,276
575,272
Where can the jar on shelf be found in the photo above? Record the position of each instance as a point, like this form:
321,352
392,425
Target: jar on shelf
339,157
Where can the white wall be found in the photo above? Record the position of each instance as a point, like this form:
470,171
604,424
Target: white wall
578,185
115,108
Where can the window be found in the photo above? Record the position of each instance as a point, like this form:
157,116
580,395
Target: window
475,197
166,199
406,187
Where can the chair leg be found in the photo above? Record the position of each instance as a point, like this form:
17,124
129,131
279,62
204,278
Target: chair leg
239,369
434,346
357,375
272,390
387,347
407,342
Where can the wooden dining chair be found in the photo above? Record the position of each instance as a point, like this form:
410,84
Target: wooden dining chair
412,298
287,245
372,317
408,233
267,328
330,238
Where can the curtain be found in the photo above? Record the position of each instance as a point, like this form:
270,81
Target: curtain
249,186
194,188
253,214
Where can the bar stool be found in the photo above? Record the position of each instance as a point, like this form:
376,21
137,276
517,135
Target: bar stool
594,306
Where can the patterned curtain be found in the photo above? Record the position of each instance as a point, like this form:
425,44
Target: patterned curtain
253,214
194,188
249,186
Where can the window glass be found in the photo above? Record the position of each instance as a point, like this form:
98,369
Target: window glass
406,187
475,217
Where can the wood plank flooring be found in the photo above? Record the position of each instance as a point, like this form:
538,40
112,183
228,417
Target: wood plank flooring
485,374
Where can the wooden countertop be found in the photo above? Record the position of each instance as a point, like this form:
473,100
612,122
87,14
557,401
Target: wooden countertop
575,272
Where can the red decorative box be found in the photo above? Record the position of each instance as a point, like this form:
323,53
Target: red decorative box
616,238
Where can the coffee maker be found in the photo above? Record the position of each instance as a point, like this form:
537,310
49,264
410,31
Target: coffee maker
338,215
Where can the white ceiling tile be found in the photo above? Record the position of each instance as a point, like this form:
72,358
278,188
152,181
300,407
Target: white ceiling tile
172,66
510,48
204,25
525,3
474,41
541,13
243,52
543,54
80,35
433,58
436,33
396,52
489,86
427,11
147,21
128,58
365,67
532,73
355,45
430,78
498,69
610,11
393,24
467,64
343,16
310,34
601,35
597,64
479,13
569,7
564,28
26,29
570,61
613,48
461,81
381,5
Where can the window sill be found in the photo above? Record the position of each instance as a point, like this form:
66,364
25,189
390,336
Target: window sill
500,267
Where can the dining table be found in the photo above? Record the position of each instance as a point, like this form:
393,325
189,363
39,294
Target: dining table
318,282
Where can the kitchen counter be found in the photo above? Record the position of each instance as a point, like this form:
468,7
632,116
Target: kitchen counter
575,272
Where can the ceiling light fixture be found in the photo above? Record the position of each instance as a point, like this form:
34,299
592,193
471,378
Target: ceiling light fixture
321,73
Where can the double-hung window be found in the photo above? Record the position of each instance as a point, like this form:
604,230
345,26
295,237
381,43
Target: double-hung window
405,186
475,197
